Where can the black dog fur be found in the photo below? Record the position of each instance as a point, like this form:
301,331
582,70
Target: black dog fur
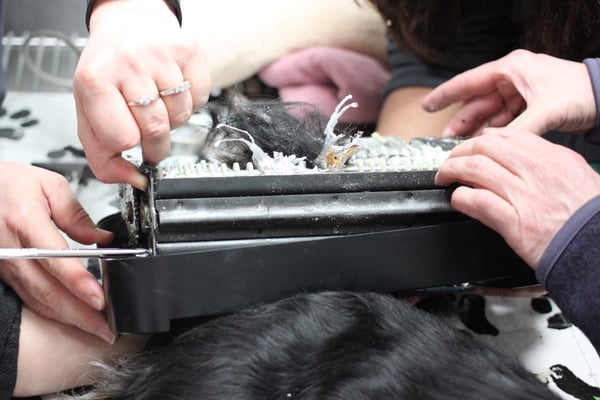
332,345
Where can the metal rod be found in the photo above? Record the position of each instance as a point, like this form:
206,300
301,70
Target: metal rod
12,253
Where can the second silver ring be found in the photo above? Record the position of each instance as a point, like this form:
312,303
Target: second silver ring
182,87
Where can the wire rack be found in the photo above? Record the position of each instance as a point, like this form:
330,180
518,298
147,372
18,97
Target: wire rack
40,61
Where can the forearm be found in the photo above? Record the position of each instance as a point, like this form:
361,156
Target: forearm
55,357
172,4
402,115
412,79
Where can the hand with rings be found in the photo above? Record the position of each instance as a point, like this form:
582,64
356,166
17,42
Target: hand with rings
139,77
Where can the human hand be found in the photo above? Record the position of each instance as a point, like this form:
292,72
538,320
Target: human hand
524,90
33,203
520,185
135,49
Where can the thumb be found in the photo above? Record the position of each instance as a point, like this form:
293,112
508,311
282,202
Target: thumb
532,120
68,214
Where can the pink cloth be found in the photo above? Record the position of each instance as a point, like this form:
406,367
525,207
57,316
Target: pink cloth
323,76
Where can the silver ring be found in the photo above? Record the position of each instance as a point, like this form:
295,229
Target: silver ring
143,101
182,87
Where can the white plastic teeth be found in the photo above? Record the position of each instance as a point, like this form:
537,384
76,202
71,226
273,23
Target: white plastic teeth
393,154
375,154
190,169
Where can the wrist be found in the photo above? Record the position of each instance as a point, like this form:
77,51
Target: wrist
173,5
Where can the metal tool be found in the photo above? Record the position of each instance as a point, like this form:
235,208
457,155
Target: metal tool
12,253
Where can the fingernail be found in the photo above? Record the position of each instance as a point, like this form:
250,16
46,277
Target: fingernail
105,236
108,336
97,302
103,231
92,293
139,181
447,132
430,108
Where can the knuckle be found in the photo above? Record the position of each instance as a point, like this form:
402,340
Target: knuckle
191,47
520,54
477,162
102,174
79,216
490,141
42,309
85,76
106,172
50,298
180,118
125,142
156,129
57,182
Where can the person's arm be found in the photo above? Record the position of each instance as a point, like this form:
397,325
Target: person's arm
139,76
54,357
570,270
401,114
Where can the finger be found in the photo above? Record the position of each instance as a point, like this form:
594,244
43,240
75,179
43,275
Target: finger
107,116
475,82
478,171
70,272
69,215
75,277
487,207
514,105
177,97
534,120
42,293
187,94
152,119
196,71
473,114
500,119
509,148
108,166
44,234
179,105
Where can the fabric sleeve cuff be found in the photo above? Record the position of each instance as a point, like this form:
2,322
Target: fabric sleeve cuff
593,67
564,237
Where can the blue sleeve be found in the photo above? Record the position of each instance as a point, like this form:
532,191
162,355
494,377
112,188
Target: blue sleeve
570,270
593,67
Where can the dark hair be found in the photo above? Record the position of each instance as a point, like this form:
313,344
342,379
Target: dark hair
331,345
562,28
